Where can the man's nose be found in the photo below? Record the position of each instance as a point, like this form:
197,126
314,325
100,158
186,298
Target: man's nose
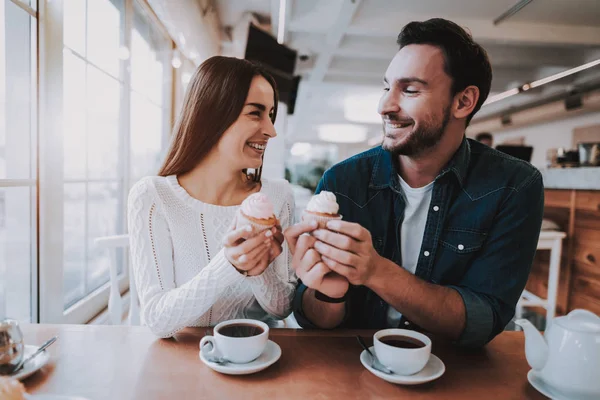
388,104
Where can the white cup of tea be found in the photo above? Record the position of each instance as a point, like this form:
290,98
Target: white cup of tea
403,351
239,341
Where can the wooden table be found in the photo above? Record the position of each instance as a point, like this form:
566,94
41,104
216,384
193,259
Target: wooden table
122,362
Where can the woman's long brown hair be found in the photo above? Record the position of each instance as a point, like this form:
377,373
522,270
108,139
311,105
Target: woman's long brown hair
214,100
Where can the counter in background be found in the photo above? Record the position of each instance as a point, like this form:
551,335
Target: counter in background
576,212
582,178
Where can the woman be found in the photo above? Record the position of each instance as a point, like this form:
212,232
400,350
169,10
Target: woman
190,263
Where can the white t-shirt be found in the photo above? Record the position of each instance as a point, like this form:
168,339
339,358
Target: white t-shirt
411,232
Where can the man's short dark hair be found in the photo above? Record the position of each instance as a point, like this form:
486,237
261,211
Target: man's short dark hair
466,62
484,136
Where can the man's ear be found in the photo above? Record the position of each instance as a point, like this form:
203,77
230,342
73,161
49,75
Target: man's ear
465,102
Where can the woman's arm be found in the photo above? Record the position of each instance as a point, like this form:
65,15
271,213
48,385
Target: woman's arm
166,308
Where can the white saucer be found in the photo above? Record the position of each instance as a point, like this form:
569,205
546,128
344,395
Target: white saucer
541,386
432,370
268,357
32,365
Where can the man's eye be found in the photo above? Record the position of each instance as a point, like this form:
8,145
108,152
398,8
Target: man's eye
386,89
410,91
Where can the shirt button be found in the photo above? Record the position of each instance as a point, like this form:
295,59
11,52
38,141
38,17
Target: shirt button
436,208
406,323
461,247
426,253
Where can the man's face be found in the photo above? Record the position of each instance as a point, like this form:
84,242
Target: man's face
416,102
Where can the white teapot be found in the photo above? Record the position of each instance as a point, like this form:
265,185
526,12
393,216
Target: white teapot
567,357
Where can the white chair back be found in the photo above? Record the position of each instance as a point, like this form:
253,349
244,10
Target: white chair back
115,303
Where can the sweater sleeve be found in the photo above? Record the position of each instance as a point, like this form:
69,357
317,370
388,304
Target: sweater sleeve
166,308
274,288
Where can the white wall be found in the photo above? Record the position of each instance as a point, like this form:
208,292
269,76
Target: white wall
548,135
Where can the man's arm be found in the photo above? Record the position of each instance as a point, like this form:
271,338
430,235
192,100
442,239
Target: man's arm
436,308
315,275
480,306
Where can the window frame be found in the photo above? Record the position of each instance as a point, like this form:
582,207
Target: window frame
50,164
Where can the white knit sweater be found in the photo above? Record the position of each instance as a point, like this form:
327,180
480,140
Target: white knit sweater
182,276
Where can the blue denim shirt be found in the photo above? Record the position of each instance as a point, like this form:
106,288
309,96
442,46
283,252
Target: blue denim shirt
480,236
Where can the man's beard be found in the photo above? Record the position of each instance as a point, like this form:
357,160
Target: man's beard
421,139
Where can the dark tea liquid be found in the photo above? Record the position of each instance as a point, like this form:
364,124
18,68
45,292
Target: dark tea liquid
404,342
241,330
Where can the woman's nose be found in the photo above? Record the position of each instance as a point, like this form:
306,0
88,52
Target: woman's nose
269,129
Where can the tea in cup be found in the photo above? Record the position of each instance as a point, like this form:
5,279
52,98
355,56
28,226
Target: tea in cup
238,341
403,351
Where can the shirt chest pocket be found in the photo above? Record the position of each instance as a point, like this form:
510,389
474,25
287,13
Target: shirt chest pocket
462,241
457,249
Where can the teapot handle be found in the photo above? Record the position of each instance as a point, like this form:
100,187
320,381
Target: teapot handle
582,313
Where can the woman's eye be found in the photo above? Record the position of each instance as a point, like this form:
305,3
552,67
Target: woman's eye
257,113
386,89
408,91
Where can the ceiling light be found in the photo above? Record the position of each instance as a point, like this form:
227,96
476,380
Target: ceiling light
540,82
300,149
564,73
342,133
362,109
281,27
501,96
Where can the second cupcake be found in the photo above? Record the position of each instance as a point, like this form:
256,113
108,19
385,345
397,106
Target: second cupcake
322,207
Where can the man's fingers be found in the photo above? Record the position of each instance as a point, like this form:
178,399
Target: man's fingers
351,229
304,243
338,268
293,233
314,277
233,237
310,259
338,240
341,256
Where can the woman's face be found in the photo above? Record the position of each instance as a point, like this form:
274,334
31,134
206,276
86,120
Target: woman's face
245,141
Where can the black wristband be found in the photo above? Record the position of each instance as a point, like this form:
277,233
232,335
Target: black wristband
323,297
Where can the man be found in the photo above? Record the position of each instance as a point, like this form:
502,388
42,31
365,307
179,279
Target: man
439,232
485,138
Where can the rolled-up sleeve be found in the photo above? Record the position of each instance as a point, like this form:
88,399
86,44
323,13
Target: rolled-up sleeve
494,282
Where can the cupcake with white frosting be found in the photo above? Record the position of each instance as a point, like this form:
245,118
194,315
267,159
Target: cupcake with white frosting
257,211
322,207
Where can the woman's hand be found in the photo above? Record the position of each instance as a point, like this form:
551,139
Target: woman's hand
249,254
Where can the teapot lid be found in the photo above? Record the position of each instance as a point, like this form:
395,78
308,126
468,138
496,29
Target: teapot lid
581,321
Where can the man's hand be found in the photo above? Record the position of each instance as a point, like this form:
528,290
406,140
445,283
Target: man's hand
346,248
308,264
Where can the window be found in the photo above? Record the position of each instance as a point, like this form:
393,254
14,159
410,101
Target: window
93,148
151,91
18,163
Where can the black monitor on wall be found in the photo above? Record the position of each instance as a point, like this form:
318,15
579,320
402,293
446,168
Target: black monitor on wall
278,59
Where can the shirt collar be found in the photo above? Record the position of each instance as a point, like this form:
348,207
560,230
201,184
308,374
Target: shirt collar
385,173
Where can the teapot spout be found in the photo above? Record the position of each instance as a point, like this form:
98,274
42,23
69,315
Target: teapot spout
536,348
